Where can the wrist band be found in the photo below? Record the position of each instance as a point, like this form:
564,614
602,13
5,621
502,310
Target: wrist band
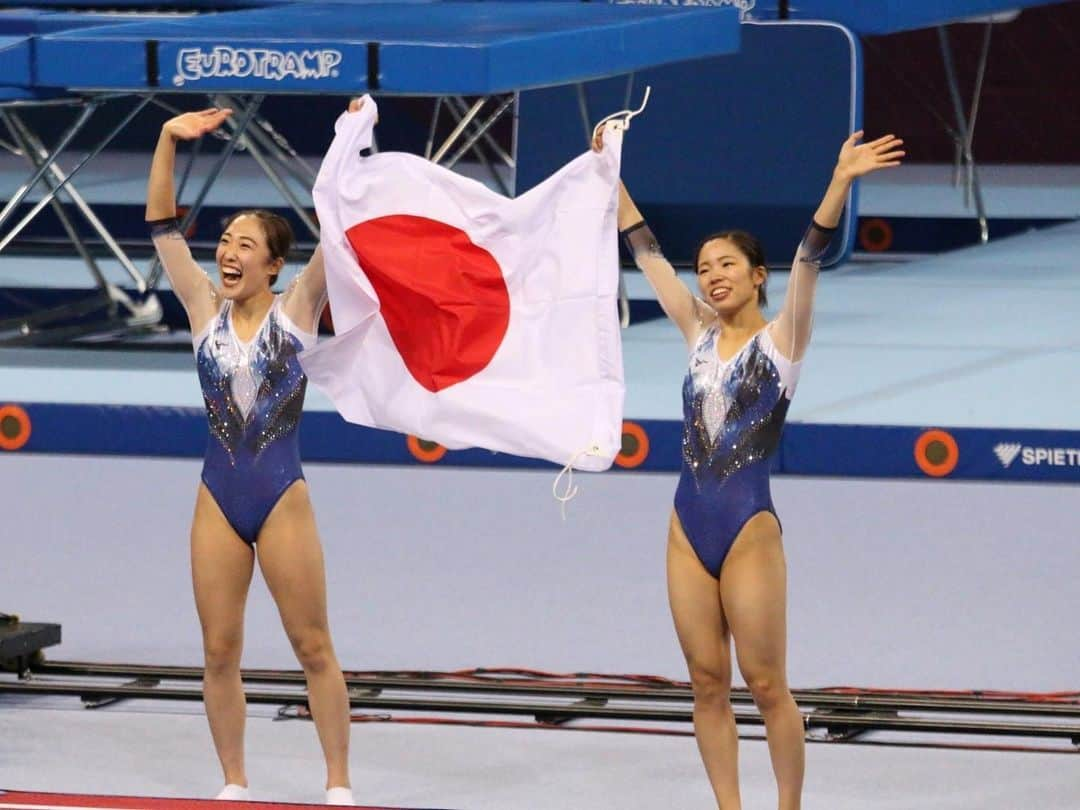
159,227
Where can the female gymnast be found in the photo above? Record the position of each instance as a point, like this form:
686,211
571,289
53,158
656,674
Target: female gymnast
252,502
725,561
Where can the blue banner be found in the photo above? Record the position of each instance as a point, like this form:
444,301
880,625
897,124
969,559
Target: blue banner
984,454
859,451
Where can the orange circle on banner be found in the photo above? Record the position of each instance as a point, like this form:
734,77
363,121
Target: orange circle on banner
635,446
14,427
425,451
876,235
936,453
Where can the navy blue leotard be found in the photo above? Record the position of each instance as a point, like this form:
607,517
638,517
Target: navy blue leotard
253,390
733,414
254,395
733,410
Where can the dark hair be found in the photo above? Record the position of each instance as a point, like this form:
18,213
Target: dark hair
749,246
279,234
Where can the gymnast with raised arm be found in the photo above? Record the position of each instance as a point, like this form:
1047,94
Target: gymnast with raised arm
726,572
252,503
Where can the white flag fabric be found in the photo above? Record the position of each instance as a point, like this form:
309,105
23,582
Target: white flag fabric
467,318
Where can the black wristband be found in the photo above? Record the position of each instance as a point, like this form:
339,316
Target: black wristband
636,226
161,227
822,228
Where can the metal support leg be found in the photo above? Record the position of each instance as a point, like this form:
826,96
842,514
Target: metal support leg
223,158
966,127
279,183
276,147
154,273
461,126
254,141
583,105
629,90
480,132
279,147
34,327
457,108
45,167
189,165
514,124
54,325
434,126
984,58
492,144
287,160
66,139
73,235
31,146
583,108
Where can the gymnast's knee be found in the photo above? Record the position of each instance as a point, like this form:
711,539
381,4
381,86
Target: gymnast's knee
769,690
712,686
313,650
221,654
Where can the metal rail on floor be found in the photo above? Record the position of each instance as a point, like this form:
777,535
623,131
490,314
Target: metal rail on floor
816,698
839,715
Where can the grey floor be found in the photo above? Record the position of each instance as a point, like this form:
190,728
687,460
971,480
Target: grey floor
899,584
892,584
164,750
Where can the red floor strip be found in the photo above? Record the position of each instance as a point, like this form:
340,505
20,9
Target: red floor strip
20,800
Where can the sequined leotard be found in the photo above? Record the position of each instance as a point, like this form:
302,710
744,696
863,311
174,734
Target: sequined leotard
733,410
254,395
733,415
253,391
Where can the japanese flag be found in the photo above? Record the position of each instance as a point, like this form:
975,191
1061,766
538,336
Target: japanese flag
467,318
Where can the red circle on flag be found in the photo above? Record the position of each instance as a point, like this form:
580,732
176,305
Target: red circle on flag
443,297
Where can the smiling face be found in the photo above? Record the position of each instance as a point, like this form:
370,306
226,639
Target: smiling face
728,279
245,261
